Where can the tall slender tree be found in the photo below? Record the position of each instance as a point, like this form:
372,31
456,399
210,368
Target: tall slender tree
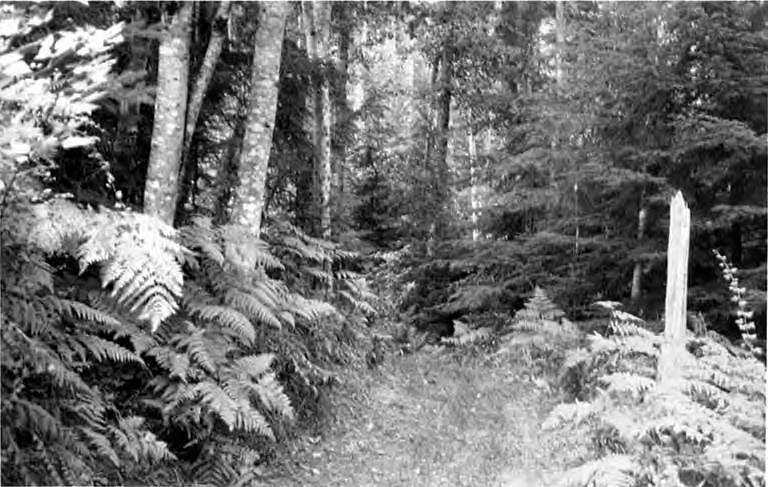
162,182
341,109
443,122
196,97
317,25
257,140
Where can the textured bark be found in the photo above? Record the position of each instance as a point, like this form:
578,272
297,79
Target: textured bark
442,132
207,68
162,182
227,177
195,104
341,107
257,142
317,25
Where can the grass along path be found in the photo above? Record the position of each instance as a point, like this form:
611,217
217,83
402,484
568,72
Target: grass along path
428,420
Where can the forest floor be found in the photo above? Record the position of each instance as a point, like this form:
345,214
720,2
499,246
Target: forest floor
436,418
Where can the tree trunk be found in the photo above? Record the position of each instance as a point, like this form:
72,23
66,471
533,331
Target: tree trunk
162,182
637,274
443,124
560,40
472,149
317,19
207,68
199,89
227,177
677,293
257,143
341,109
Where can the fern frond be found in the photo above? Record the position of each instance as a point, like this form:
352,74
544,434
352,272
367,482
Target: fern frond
322,276
254,365
140,259
245,252
304,252
571,413
609,471
100,444
76,309
309,309
468,337
576,356
623,345
196,346
703,391
200,235
273,396
229,318
176,364
34,417
625,382
62,375
257,306
140,444
104,349
346,275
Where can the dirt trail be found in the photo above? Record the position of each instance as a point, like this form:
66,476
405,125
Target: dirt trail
426,420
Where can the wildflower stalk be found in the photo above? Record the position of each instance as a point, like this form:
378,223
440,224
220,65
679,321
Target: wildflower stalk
743,315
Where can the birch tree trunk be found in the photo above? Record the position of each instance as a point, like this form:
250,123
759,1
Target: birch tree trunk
167,143
257,142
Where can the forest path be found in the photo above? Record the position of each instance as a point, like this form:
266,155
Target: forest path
428,420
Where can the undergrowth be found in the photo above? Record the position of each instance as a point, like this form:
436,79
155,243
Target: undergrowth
128,344
707,430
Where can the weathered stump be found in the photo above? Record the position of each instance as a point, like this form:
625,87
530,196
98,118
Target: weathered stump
673,349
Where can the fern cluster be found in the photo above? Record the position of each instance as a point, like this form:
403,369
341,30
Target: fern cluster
127,343
708,428
60,423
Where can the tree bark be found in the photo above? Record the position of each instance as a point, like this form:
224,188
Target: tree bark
442,132
341,108
199,89
207,68
257,142
317,20
227,177
167,143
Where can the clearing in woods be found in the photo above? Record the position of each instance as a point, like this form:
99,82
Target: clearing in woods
436,419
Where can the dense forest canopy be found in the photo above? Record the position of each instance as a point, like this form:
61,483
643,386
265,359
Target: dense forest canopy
189,188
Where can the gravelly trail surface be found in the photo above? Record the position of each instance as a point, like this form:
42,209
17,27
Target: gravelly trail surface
427,420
